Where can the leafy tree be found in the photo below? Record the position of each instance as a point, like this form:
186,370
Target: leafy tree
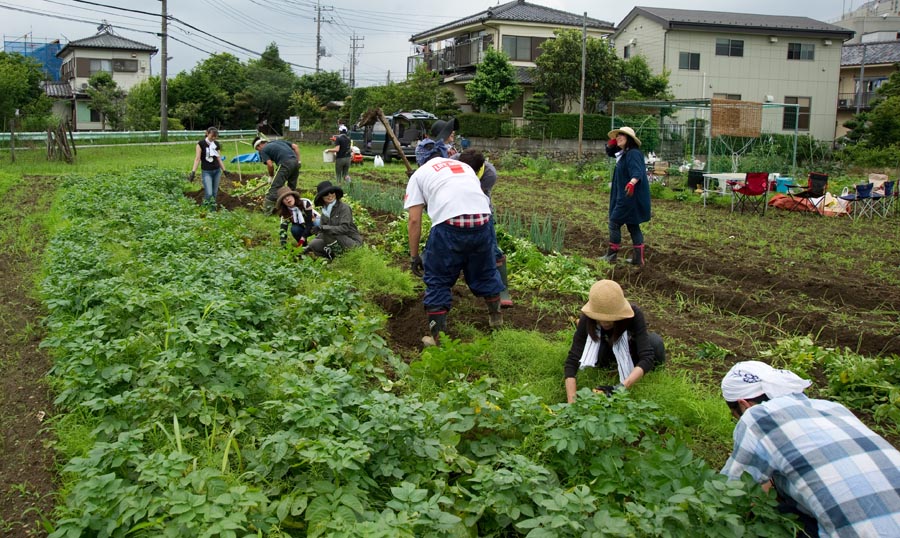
187,111
445,103
271,59
639,82
558,71
142,106
225,71
536,110
422,90
196,87
107,99
325,86
884,126
305,105
495,85
268,93
20,89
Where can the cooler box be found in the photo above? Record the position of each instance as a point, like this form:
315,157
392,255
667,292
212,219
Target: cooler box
327,156
781,184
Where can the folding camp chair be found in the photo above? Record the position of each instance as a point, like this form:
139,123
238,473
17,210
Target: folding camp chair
751,194
816,187
883,202
861,201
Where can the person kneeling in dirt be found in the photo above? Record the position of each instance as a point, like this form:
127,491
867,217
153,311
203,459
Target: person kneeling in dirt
287,156
461,238
487,174
336,231
612,330
297,214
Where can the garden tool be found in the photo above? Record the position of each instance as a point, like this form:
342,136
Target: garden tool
495,316
437,323
505,299
637,256
612,252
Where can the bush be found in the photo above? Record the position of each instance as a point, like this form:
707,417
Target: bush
483,125
596,126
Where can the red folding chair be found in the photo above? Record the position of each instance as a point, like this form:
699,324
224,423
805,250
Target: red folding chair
752,195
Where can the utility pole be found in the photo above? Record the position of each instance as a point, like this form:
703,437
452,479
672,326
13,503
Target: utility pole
353,58
583,69
319,10
163,72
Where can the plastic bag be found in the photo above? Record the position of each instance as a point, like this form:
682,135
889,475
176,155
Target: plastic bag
379,162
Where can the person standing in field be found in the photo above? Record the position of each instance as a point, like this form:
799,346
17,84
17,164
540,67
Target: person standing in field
342,155
286,156
629,196
838,476
208,156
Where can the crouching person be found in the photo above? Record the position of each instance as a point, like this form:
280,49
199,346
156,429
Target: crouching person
336,231
297,215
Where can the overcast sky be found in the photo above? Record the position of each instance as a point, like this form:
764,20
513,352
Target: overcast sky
245,27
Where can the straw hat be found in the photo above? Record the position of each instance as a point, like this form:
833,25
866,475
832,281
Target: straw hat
606,302
284,191
625,131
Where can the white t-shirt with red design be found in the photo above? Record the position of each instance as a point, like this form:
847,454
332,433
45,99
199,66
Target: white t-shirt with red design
448,188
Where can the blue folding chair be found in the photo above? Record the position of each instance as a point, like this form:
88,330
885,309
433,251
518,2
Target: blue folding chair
883,202
861,201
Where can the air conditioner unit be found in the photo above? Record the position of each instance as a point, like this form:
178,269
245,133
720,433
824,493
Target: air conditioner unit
843,103
827,42
770,98
773,39
84,85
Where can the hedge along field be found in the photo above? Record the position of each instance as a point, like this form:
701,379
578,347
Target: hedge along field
211,389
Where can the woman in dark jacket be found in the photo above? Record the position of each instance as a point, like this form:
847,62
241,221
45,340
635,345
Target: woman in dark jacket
612,331
336,230
629,196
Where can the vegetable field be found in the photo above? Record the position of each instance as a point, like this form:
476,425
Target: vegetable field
209,383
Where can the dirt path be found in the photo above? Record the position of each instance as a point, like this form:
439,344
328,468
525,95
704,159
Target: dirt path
27,480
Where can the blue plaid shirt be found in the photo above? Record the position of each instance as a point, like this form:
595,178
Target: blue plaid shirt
821,456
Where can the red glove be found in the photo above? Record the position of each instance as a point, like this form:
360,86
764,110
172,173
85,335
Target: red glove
629,189
612,142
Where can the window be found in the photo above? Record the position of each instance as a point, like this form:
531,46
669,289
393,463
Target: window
790,113
729,47
95,116
125,66
101,65
522,49
801,51
689,60
626,52
729,96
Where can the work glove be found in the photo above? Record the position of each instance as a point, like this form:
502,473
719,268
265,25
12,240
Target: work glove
416,266
192,175
608,390
629,189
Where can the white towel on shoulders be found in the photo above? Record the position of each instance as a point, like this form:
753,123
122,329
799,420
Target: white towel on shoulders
621,350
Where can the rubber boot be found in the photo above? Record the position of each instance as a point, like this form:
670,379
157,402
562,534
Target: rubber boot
612,252
437,323
637,256
505,299
495,316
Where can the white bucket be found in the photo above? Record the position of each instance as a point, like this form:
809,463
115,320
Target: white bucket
327,156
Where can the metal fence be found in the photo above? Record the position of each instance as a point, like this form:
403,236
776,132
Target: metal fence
117,137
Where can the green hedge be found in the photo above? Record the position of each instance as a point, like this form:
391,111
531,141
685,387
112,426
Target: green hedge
483,125
596,126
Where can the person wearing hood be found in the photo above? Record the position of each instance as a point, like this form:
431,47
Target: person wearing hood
336,231
342,155
629,196
838,476
612,331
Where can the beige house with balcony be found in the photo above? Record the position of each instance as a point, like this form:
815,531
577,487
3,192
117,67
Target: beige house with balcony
760,58
873,63
518,28
126,60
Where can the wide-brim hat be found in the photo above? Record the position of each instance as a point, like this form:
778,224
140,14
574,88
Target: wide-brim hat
325,188
441,130
625,131
606,302
282,192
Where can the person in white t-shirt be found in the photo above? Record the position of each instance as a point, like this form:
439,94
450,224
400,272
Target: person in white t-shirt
461,238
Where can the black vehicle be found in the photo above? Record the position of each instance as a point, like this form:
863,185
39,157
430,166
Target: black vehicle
409,127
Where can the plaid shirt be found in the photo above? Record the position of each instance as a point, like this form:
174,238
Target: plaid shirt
821,456
469,221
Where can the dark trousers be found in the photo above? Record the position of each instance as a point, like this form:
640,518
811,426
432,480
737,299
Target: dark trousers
451,249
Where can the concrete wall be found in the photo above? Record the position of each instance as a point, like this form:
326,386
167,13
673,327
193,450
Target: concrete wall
557,150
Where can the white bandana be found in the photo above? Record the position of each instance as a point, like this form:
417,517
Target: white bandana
750,379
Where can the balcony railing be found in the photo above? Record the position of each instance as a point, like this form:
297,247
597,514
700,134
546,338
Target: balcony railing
848,101
463,53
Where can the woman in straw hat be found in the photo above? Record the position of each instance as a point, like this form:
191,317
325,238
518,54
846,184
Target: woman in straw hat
612,331
629,196
336,230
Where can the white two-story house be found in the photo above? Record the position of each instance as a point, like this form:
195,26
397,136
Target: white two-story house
126,60
759,58
518,28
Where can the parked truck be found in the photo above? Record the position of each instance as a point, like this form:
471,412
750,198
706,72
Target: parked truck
409,127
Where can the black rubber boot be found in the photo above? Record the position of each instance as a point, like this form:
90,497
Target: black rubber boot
612,252
437,323
637,256
505,300
495,316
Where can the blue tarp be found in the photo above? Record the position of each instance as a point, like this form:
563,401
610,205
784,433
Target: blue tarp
247,158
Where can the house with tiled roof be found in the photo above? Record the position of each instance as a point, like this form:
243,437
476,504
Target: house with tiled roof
517,28
743,56
128,62
873,63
